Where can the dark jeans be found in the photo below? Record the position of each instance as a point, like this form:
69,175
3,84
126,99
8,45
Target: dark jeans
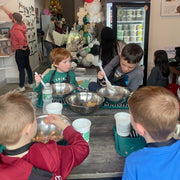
49,47
22,60
94,86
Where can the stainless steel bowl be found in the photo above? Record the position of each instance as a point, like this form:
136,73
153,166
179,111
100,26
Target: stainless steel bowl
117,95
33,96
62,89
84,102
46,132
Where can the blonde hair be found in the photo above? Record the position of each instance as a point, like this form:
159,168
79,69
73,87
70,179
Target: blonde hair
156,109
16,111
59,54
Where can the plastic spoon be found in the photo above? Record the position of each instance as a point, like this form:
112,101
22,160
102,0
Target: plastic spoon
108,83
41,80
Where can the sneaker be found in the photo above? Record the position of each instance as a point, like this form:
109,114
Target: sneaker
29,85
20,89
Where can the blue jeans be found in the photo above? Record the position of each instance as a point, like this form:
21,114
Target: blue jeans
22,61
94,86
49,47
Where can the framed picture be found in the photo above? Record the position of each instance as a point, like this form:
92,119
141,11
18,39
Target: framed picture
170,8
4,30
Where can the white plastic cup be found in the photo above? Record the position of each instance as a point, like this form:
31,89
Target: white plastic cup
54,108
82,125
123,122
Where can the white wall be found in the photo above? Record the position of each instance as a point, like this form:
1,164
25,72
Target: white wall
164,31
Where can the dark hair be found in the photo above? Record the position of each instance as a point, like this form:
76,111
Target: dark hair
17,17
53,18
108,46
132,53
161,60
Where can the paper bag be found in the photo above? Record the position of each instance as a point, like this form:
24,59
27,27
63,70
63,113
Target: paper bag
59,39
48,37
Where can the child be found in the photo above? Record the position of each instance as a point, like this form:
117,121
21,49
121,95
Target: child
159,74
61,59
123,70
154,114
24,159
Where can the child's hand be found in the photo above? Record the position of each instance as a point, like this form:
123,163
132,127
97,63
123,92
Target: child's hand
100,75
56,120
103,83
38,79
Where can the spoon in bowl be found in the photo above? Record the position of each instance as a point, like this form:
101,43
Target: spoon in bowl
108,83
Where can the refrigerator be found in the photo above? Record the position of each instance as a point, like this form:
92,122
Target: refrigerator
44,22
130,21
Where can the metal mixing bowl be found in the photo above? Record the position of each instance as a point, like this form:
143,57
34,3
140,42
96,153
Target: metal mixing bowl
46,132
117,95
62,89
84,102
33,96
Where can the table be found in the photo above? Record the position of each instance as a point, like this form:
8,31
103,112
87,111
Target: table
103,161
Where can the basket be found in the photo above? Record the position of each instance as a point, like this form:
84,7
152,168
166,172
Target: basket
127,145
1,148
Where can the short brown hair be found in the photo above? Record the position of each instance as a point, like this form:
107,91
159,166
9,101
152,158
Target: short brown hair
156,109
17,17
59,54
132,53
16,111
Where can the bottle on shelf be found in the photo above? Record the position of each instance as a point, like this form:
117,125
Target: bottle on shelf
47,96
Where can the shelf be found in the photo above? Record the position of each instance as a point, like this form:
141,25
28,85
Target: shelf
7,55
127,22
5,39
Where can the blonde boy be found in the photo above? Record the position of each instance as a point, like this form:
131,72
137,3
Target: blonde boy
24,159
154,114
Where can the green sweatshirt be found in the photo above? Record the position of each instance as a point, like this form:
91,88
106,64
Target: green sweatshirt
58,78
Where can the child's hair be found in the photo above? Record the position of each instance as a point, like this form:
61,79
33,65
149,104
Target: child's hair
132,53
156,109
16,111
161,60
59,54
53,18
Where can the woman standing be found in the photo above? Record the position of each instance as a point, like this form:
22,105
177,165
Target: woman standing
20,46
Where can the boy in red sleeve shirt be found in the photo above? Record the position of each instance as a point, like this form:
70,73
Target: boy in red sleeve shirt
23,159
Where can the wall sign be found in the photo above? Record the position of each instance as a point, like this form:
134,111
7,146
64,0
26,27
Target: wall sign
170,7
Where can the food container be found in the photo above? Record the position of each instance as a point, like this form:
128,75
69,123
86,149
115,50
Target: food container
117,95
127,145
46,132
33,96
61,90
177,131
84,102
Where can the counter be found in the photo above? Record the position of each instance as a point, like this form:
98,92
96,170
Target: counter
103,160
